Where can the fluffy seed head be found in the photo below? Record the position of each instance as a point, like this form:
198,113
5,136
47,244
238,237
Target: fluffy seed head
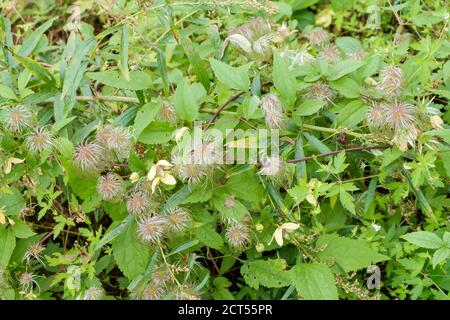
300,58
187,171
319,91
151,229
399,115
34,252
253,30
94,293
110,186
153,292
376,117
178,219
275,119
138,203
391,81
317,36
27,280
187,292
166,112
237,235
358,55
161,276
18,118
103,135
271,166
89,156
262,47
39,140
270,102
330,53
119,141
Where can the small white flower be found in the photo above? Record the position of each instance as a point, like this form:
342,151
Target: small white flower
278,234
377,227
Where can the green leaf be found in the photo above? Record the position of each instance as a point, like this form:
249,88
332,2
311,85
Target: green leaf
197,64
235,78
145,115
129,252
245,186
157,132
348,45
268,273
309,107
139,80
123,53
349,254
36,69
424,239
236,211
343,68
22,230
351,114
314,281
209,237
284,80
11,200
7,245
186,100
32,40
440,255
346,87
7,93
316,143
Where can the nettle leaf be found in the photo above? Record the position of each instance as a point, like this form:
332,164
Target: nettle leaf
186,99
424,239
284,80
234,77
139,80
268,273
349,254
314,281
129,252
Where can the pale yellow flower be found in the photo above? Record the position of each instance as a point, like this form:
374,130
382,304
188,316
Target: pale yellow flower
278,234
2,215
10,162
160,173
134,177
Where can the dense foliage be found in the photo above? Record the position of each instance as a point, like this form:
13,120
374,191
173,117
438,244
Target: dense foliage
99,100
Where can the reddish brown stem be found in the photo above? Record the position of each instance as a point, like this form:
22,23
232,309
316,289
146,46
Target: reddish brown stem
214,118
334,152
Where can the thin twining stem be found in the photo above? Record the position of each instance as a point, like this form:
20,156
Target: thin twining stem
334,152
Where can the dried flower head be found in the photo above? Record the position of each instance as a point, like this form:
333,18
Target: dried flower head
262,47
161,276
275,119
40,140
151,229
317,36
138,203
178,219
166,112
320,91
188,171
18,118
300,58
399,115
94,293
254,29
271,166
34,252
237,235
270,102
376,117
391,81
27,282
330,53
152,291
358,55
103,134
187,292
89,156
119,141
110,186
